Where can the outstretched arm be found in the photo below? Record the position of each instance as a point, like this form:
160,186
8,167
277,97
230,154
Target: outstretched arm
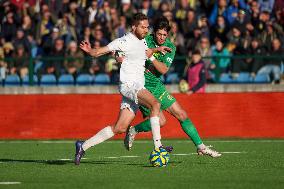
86,46
160,66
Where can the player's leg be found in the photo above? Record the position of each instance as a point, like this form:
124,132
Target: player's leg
178,112
145,126
124,119
165,99
147,99
126,116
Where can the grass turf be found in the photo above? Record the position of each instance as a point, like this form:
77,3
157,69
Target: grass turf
245,164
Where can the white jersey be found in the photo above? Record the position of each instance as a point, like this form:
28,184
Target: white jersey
133,66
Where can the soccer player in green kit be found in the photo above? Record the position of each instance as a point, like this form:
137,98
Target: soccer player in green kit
158,65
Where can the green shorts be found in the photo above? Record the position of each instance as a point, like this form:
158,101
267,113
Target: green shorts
162,95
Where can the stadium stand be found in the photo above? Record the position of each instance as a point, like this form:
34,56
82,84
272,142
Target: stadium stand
66,80
12,80
84,79
101,79
46,47
47,80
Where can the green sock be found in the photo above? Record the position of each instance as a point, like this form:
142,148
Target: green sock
144,126
191,131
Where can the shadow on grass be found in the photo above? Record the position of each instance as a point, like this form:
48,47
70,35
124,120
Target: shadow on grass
51,162
59,162
65,162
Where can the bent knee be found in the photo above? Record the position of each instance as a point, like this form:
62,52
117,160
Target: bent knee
156,105
119,129
163,122
182,115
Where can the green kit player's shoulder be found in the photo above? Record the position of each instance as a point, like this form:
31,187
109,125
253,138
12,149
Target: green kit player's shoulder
169,44
149,39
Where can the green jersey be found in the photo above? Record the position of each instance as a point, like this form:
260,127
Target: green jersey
153,81
167,59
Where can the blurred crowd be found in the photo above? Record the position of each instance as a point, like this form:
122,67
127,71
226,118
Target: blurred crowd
219,29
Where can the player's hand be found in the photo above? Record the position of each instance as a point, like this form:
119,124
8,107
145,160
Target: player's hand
189,92
164,49
119,59
85,46
149,52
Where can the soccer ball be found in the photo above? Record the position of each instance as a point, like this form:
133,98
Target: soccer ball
183,86
159,157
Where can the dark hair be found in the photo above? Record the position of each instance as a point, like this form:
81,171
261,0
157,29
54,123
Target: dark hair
161,23
197,52
137,18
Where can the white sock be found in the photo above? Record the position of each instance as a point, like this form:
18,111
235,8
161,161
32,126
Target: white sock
155,125
101,136
201,146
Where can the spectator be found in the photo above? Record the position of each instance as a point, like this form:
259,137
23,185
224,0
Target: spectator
48,44
28,26
219,9
192,42
177,38
99,35
44,27
219,64
234,8
268,35
3,65
147,9
66,30
196,74
9,27
189,23
121,29
20,62
220,30
204,26
205,50
22,40
257,61
238,64
87,35
75,17
73,59
55,66
273,65
266,5
92,12
127,10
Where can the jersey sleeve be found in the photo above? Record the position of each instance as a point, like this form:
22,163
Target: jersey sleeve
169,57
118,44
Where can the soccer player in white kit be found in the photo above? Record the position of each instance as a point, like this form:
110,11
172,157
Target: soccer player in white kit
131,85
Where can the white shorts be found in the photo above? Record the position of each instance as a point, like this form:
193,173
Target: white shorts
129,92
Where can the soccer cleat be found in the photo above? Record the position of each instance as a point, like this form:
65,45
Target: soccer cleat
79,152
209,152
168,148
129,138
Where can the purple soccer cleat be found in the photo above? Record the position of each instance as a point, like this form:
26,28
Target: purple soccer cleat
168,148
79,152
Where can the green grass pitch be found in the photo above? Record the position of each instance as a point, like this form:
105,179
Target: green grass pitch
49,164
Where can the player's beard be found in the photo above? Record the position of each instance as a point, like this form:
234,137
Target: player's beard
141,35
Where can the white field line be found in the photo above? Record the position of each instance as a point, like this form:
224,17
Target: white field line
117,157
129,156
65,159
189,154
8,183
144,141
